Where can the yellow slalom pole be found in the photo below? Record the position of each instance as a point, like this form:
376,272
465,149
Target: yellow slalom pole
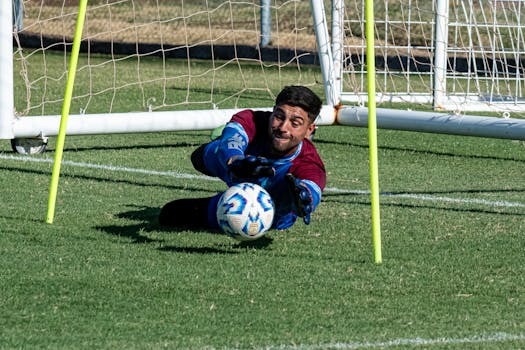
65,111
372,129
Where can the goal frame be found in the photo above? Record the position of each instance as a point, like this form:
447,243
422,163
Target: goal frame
7,109
331,56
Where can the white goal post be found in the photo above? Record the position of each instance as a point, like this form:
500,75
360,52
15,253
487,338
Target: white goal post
456,56
6,66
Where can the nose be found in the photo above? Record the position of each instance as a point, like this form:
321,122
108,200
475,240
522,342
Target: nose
283,124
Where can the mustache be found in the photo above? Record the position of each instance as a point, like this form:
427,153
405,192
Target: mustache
278,133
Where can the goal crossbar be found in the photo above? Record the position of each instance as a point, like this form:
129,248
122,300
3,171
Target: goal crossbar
341,60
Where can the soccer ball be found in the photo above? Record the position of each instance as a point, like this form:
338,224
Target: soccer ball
245,211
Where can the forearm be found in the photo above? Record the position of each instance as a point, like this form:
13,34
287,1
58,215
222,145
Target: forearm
232,143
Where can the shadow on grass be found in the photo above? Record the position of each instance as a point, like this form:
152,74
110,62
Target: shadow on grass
148,217
260,243
72,149
136,232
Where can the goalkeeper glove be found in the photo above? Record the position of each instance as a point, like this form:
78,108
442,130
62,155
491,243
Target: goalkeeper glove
303,199
251,167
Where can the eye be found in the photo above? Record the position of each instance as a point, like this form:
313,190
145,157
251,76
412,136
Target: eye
297,123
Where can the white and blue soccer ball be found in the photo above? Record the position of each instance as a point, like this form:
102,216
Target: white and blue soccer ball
245,211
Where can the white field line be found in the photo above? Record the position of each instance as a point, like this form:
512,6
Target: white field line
476,339
413,342
421,197
109,167
426,197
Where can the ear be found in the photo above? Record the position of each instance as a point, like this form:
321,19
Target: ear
310,130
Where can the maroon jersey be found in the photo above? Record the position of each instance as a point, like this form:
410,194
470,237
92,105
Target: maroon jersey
304,164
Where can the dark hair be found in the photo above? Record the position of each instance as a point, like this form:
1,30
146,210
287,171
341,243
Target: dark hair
300,96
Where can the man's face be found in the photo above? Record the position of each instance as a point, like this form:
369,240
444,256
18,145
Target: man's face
289,125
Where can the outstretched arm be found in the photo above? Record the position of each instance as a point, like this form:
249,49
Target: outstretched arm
232,143
240,167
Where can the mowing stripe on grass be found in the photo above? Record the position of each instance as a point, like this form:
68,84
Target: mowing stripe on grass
421,197
110,167
426,197
476,339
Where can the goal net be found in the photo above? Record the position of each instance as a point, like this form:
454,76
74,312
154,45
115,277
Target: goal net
458,55
142,58
158,55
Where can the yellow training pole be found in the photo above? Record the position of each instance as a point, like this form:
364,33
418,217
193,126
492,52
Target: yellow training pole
372,129
65,111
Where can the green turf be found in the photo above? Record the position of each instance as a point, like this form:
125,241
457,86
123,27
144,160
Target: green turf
105,276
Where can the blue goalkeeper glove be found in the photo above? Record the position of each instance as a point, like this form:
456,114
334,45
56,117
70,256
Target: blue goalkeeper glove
251,167
303,199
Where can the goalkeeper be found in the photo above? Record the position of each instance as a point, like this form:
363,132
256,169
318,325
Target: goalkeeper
271,149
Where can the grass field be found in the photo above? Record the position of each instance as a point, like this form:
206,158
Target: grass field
105,276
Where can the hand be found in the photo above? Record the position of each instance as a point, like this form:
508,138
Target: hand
303,199
251,167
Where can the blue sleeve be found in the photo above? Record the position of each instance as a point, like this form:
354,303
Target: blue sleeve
232,142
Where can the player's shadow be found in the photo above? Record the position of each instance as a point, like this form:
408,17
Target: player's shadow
137,233
236,248
148,222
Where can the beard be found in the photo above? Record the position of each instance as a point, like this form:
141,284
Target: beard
282,145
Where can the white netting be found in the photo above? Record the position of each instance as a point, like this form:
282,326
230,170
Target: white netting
143,54
484,46
161,54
